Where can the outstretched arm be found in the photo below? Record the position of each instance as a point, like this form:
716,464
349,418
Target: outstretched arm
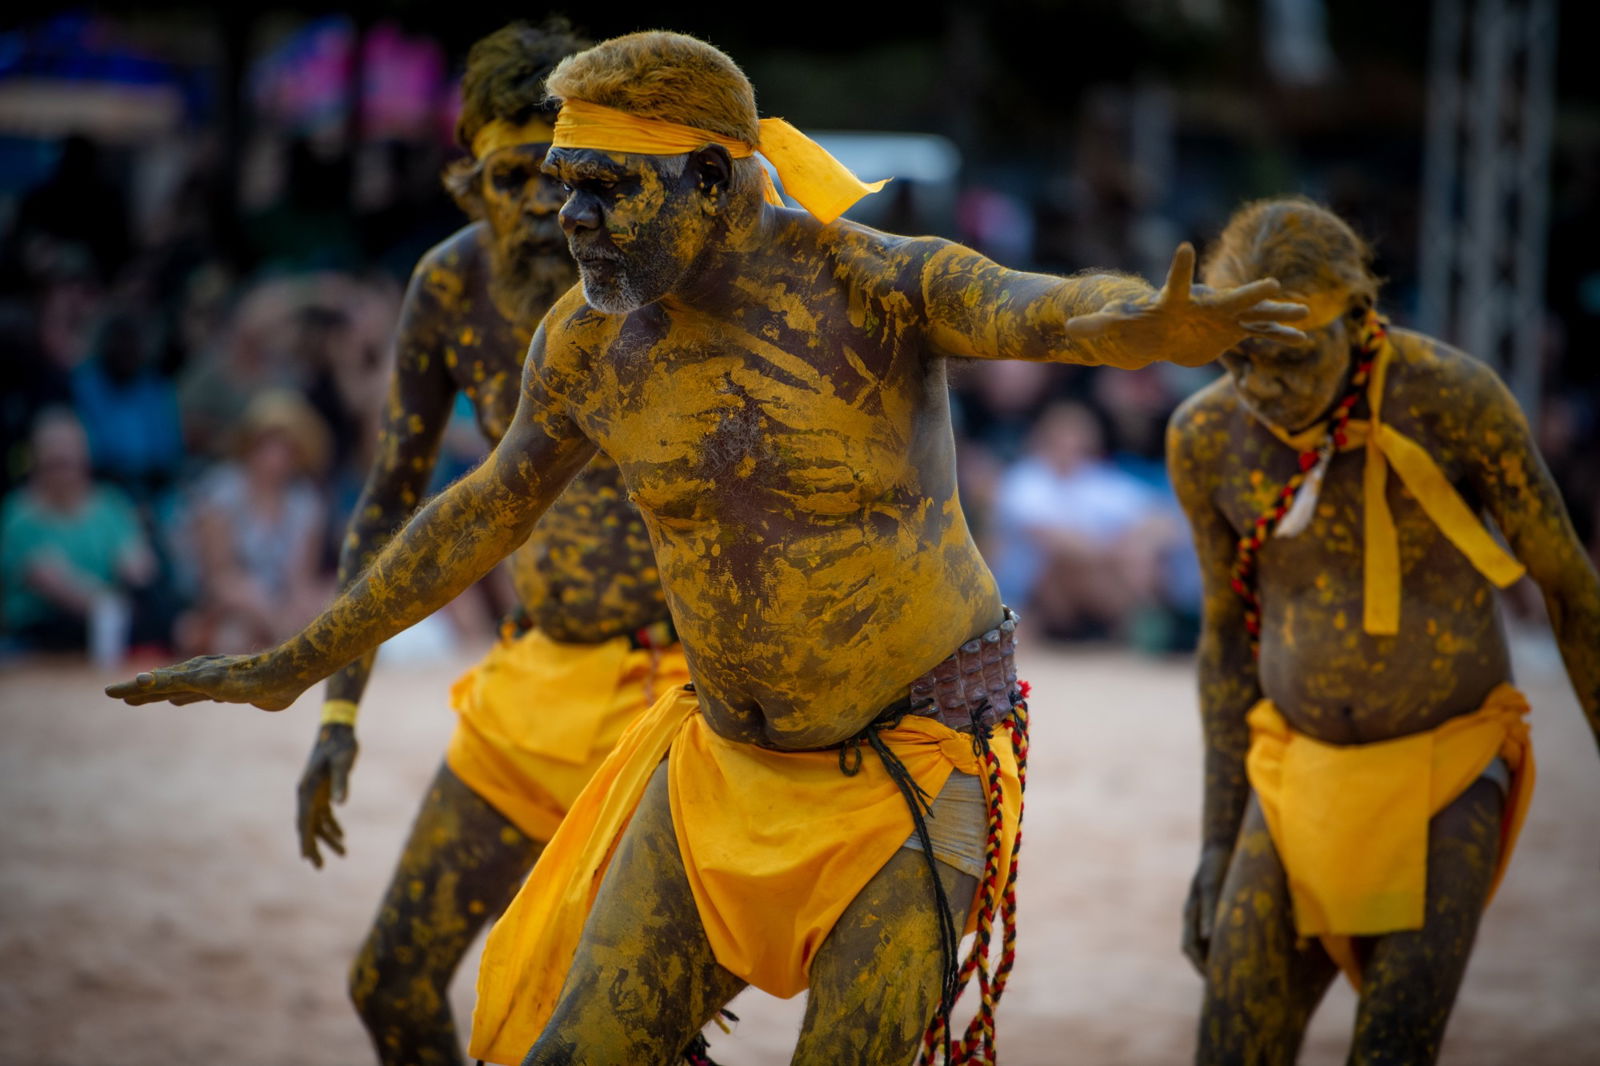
978,309
1515,486
1229,683
414,418
452,542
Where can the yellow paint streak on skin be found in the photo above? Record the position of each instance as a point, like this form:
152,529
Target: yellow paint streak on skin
461,863
854,474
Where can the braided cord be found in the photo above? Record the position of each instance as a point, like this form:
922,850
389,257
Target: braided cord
998,900
1243,578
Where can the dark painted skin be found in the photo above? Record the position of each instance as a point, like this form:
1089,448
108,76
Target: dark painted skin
586,574
773,391
1334,682
462,863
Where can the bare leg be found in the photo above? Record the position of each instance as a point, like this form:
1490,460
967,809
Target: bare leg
1261,987
460,867
875,980
1411,978
644,980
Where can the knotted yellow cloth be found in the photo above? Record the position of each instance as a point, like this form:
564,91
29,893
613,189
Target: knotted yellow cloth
539,716
1386,447
818,182
1350,822
499,133
776,844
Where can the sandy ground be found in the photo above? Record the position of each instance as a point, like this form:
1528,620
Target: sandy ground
153,908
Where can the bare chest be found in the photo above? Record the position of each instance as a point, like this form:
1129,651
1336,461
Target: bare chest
1328,551
736,424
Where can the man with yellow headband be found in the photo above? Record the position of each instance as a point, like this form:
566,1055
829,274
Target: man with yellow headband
591,643
1367,761
837,794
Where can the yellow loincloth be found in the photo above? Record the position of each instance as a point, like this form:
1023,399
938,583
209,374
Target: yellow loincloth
538,717
776,845
1350,822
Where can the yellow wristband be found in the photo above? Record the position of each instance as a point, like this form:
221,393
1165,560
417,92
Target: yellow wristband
339,712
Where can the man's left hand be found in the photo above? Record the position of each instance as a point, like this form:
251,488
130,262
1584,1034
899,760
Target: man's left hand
1190,324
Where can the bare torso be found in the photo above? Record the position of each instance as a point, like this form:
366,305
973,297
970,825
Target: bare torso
586,573
1328,677
794,463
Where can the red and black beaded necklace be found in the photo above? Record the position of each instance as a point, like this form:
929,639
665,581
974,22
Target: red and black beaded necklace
1365,353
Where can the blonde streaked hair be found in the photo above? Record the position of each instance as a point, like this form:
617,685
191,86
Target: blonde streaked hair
1308,248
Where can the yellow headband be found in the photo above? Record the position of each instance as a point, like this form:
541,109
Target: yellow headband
820,183
500,134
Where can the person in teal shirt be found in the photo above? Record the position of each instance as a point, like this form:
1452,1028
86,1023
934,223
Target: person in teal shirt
71,551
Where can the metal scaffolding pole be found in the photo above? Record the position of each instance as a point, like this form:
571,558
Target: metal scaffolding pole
1486,175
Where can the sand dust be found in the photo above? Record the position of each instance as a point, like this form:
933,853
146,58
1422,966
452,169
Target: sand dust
154,909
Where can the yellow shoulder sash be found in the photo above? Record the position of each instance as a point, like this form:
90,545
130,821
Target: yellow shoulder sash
1387,447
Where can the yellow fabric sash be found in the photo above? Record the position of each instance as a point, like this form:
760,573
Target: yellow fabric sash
539,716
500,134
1350,822
775,844
817,181
542,696
1438,498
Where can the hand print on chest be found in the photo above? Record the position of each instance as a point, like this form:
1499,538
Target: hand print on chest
739,443
741,439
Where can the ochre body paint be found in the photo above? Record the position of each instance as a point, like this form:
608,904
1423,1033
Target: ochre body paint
1330,678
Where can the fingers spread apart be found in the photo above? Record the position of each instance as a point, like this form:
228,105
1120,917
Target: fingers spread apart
1237,299
1180,275
1273,331
1276,311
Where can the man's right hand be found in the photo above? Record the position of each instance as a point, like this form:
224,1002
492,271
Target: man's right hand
326,781
1200,910
265,680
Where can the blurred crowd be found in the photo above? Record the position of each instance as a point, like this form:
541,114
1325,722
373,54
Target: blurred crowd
181,439
195,335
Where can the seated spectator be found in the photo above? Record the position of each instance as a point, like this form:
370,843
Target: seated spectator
72,553
257,532
129,409
1078,542
254,353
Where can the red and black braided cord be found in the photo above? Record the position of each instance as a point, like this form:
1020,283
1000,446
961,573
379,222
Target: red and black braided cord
998,898
1248,551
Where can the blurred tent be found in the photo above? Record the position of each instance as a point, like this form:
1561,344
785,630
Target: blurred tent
73,74
305,82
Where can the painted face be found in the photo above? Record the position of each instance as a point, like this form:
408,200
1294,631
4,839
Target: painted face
1294,385
632,223
531,268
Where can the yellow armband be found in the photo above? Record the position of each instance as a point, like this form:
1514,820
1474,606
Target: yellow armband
339,712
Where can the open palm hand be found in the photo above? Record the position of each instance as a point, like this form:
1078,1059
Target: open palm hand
1191,324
